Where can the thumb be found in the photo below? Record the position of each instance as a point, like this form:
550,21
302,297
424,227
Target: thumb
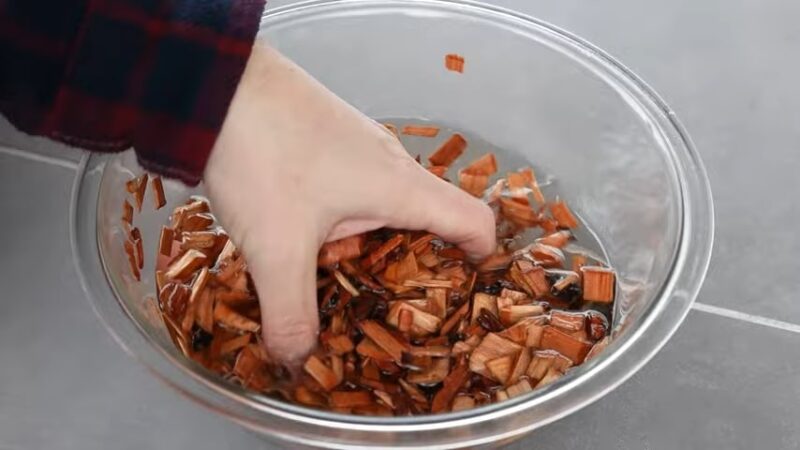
284,274
432,204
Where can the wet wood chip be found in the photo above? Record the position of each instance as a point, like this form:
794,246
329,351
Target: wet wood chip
500,368
491,347
228,317
563,215
408,324
323,374
184,267
520,388
481,301
351,399
139,191
463,402
383,250
450,386
340,344
474,184
384,339
551,376
165,241
439,171
421,130
340,250
159,199
234,344
454,62
485,165
574,349
345,283
127,212
513,314
436,373
449,151
557,239
598,284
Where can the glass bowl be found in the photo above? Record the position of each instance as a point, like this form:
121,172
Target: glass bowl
539,94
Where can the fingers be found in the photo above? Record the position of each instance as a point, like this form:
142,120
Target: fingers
430,203
284,273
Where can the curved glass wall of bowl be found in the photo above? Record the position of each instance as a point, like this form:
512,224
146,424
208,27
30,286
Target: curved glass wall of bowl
540,97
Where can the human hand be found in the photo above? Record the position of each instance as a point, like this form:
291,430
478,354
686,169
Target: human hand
295,166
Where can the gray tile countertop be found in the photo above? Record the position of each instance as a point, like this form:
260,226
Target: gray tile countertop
727,380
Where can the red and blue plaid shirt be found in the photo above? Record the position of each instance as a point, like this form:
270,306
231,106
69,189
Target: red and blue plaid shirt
107,75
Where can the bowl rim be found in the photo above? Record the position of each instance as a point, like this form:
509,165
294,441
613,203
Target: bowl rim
660,322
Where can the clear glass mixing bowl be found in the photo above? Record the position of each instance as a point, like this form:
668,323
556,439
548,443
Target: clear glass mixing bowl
538,93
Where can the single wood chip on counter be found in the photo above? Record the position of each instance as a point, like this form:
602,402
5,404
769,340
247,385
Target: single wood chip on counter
408,325
454,62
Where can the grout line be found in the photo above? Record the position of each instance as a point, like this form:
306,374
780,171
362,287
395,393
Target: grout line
757,320
38,157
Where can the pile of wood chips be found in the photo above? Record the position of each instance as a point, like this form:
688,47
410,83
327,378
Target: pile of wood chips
408,325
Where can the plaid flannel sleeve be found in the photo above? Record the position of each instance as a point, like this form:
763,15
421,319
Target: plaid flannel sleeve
107,75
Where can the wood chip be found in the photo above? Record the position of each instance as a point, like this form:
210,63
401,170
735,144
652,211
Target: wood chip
574,349
454,62
421,130
481,301
500,368
513,314
136,237
165,241
519,367
531,278
228,317
159,199
184,267
557,239
485,165
518,213
340,344
131,253
450,386
127,212
436,373
463,402
235,344
439,171
413,392
367,348
568,322
474,184
563,215
342,249
547,256
551,376
384,339
405,319
381,252
204,311
597,348
520,388
449,151
138,194
598,284
538,196
345,283
491,347
350,399
321,373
